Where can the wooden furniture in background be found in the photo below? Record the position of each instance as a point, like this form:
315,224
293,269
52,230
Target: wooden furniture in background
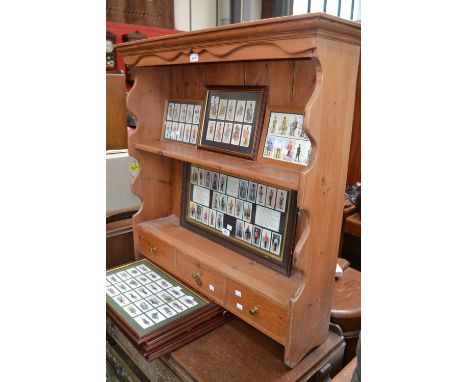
309,61
129,37
346,309
350,246
116,112
354,166
157,13
346,374
119,243
119,237
352,225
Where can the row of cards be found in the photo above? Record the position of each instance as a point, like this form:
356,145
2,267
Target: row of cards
235,134
252,234
182,112
287,125
232,110
253,192
178,131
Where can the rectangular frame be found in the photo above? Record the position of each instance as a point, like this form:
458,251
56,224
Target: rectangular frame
234,116
167,123
282,139
138,332
227,236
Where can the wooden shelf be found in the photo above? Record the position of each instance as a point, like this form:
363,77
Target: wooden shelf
261,172
233,265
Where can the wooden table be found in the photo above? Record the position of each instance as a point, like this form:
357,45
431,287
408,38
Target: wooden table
235,352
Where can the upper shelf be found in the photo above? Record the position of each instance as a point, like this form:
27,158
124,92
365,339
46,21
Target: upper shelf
259,171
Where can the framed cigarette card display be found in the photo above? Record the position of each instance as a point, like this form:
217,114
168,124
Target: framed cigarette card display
233,119
285,140
146,298
182,120
255,219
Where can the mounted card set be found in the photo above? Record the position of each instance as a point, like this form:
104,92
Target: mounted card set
155,311
182,120
284,137
233,119
255,219
147,298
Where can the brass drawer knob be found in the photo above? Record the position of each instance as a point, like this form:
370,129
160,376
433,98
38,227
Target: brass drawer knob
197,278
153,249
253,310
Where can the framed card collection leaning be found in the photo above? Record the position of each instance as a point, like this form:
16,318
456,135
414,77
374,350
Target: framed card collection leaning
147,299
233,119
285,139
181,121
255,219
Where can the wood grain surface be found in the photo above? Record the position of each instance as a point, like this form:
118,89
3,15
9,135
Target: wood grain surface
237,352
116,112
309,61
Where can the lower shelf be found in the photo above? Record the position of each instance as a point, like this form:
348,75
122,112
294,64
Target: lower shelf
255,293
270,283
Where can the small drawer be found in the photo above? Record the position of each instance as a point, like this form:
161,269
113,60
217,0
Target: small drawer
157,250
257,310
199,276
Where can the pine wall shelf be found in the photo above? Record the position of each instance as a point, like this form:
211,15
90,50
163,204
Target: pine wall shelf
309,62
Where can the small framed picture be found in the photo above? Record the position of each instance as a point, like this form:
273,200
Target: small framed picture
182,120
233,119
284,138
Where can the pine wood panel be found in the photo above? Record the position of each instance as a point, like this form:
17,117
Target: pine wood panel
195,81
256,310
328,118
146,100
304,82
229,73
278,75
210,282
157,251
176,183
176,80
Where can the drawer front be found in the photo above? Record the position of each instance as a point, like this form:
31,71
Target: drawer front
257,310
157,251
201,277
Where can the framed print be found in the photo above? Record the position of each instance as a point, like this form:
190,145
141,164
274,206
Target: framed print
233,119
154,307
284,139
255,219
182,121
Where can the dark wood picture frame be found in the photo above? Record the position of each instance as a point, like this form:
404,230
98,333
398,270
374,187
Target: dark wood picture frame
181,101
129,324
282,263
213,132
